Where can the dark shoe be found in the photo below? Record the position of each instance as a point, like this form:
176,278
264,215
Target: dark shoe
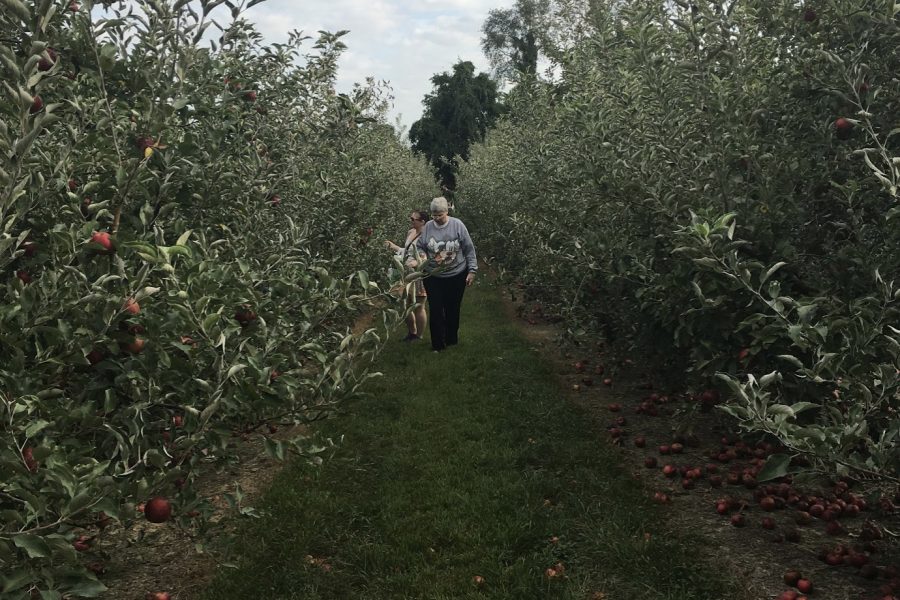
410,337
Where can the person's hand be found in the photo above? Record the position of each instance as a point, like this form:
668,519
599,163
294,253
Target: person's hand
469,279
389,244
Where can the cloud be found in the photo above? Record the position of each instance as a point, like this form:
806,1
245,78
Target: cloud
404,42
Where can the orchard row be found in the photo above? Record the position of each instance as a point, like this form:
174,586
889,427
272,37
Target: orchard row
715,184
183,252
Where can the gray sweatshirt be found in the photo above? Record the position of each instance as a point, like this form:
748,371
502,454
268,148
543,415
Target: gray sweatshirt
449,249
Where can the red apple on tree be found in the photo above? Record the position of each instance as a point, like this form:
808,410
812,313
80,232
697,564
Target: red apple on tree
103,239
843,128
46,63
136,346
28,456
131,306
244,316
37,105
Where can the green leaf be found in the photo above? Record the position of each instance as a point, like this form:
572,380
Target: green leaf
776,466
18,8
36,427
208,322
791,359
771,272
33,545
769,378
16,579
234,370
79,502
89,588
800,407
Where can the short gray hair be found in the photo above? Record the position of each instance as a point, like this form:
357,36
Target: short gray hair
439,204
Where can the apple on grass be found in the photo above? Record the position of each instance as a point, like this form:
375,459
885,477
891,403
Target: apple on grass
158,510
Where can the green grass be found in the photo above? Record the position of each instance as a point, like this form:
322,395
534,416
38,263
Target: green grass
444,473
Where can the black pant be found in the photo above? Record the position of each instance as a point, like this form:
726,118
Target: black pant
445,296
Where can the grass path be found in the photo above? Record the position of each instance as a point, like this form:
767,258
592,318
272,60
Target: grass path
470,462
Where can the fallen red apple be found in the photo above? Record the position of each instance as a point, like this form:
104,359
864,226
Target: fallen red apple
805,586
650,462
738,520
640,441
158,510
767,503
792,577
868,571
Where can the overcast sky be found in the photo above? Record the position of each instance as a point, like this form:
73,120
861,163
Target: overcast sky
404,42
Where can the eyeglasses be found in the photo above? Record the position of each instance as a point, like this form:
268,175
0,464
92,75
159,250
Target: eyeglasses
415,219
438,215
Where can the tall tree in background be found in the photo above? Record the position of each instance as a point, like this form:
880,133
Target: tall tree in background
457,113
511,38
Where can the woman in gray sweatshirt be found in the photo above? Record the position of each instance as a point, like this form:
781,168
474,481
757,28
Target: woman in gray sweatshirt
450,268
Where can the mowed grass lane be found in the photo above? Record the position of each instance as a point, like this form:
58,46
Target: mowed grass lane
461,464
